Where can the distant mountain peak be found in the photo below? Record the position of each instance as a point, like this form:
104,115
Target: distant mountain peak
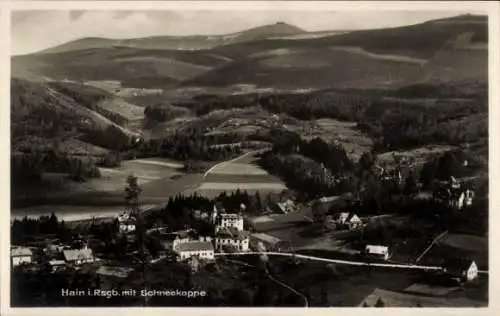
189,42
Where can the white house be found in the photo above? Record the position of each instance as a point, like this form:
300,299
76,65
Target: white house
286,206
202,249
462,269
377,251
240,240
78,256
228,221
21,255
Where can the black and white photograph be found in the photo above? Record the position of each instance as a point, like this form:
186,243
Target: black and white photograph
249,158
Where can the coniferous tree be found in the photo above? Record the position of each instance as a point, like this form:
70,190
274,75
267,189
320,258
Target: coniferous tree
380,303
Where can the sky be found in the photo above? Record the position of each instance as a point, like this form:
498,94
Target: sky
32,31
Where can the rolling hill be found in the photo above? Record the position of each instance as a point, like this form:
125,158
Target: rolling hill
195,42
45,112
278,55
446,50
115,63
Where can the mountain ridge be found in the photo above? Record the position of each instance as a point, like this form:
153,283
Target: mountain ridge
258,56
185,42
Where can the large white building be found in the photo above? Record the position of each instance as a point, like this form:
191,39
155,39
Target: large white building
228,221
203,249
239,240
21,255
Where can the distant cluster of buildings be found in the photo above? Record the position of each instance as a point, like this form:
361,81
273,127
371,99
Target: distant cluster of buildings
453,192
457,195
345,220
56,256
229,235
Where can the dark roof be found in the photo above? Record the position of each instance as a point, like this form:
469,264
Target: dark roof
232,233
21,251
195,246
78,254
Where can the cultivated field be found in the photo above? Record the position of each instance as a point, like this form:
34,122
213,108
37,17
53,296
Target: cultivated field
465,242
106,85
461,245
123,108
242,174
146,170
77,147
395,58
419,155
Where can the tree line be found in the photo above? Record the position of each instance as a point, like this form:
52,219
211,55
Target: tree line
189,144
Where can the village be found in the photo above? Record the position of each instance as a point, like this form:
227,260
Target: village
279,229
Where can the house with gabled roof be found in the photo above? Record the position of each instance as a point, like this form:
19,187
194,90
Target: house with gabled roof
203,249
78,256
350,220
21,255
377,251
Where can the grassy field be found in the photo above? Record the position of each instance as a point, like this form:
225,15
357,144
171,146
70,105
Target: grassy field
70,212
123,108
146,170
242,174
155,176
465,242
418,155
344,133
471,247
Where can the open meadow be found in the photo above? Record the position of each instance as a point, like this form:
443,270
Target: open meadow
242,173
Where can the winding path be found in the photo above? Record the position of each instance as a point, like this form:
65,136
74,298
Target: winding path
270,276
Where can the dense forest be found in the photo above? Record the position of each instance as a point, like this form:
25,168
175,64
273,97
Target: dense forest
31,166
408,117
190,144
163,113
